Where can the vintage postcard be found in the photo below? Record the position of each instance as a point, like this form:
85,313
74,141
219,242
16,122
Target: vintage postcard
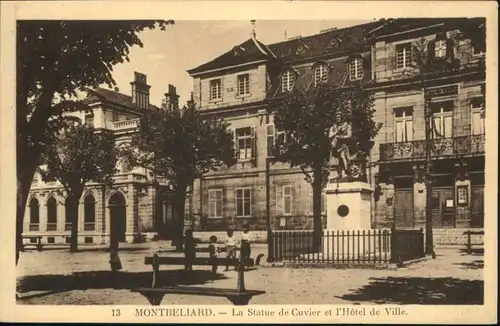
217,161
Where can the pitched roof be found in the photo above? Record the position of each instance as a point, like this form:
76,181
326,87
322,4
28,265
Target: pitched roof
401,25
249,51
114,97
335,41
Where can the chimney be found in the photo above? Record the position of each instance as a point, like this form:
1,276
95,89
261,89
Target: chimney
171,98
190,103
140,91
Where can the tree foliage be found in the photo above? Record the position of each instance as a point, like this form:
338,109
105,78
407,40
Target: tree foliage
306,116
55,60
78,155
180,145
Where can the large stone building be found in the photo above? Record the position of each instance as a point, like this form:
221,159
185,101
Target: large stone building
239,85
131,206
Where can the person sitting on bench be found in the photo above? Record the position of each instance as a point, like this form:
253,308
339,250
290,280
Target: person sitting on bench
189,249
231,246
246,239
214,251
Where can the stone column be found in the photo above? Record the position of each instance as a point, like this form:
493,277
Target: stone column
131,213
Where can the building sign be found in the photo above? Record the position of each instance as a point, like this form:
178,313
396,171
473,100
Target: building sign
443,91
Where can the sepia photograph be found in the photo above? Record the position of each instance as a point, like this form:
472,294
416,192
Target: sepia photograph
191,164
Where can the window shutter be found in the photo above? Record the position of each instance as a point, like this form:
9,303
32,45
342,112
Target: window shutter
235,141
222,202
279,201
251,200
236,203
431,48
393,53
292,198
253,142
270,140
310,201
449,48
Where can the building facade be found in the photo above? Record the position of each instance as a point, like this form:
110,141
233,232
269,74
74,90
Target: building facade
132,206
240,84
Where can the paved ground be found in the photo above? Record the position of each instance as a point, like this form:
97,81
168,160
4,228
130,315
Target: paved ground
58,277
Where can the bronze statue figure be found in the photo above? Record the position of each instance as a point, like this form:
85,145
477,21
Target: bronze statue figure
340,135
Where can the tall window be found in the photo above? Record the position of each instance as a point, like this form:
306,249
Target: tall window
440,49
89,213
51,214
356,69
403,55
287,81
274,136
403,124
442,119
215,203
89,120
243,202
320,73
243,84
477,116
34,215
216,89
287,200
244,141
311,201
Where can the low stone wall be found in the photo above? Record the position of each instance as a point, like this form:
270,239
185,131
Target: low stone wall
455,237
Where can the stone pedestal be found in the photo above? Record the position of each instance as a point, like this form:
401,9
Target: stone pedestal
348,219
348,205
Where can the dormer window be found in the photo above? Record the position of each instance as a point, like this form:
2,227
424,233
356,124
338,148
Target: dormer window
440,49
287,81
320,73
356,69
403,55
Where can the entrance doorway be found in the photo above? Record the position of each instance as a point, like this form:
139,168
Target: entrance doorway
118,217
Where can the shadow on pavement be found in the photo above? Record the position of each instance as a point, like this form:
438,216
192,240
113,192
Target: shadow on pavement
473,252
475,264
109,280
419,290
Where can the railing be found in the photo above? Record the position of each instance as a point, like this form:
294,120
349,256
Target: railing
51,226
89,226
464,145
125,124
34,227
407,245
348,247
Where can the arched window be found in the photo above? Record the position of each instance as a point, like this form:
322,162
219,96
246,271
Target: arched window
287,80
89,213
51,214
356,68
320,73
34,215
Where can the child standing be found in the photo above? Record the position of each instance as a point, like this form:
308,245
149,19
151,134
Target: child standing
246,240
230,246
114,259
214,251
189,249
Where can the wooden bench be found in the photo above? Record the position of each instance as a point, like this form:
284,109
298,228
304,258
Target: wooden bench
38,244
469,244
238,296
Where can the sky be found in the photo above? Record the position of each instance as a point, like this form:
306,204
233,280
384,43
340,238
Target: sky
167,55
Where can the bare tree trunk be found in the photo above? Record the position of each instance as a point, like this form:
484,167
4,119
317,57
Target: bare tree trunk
24,179
317,225
429,245
73,210
178,220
